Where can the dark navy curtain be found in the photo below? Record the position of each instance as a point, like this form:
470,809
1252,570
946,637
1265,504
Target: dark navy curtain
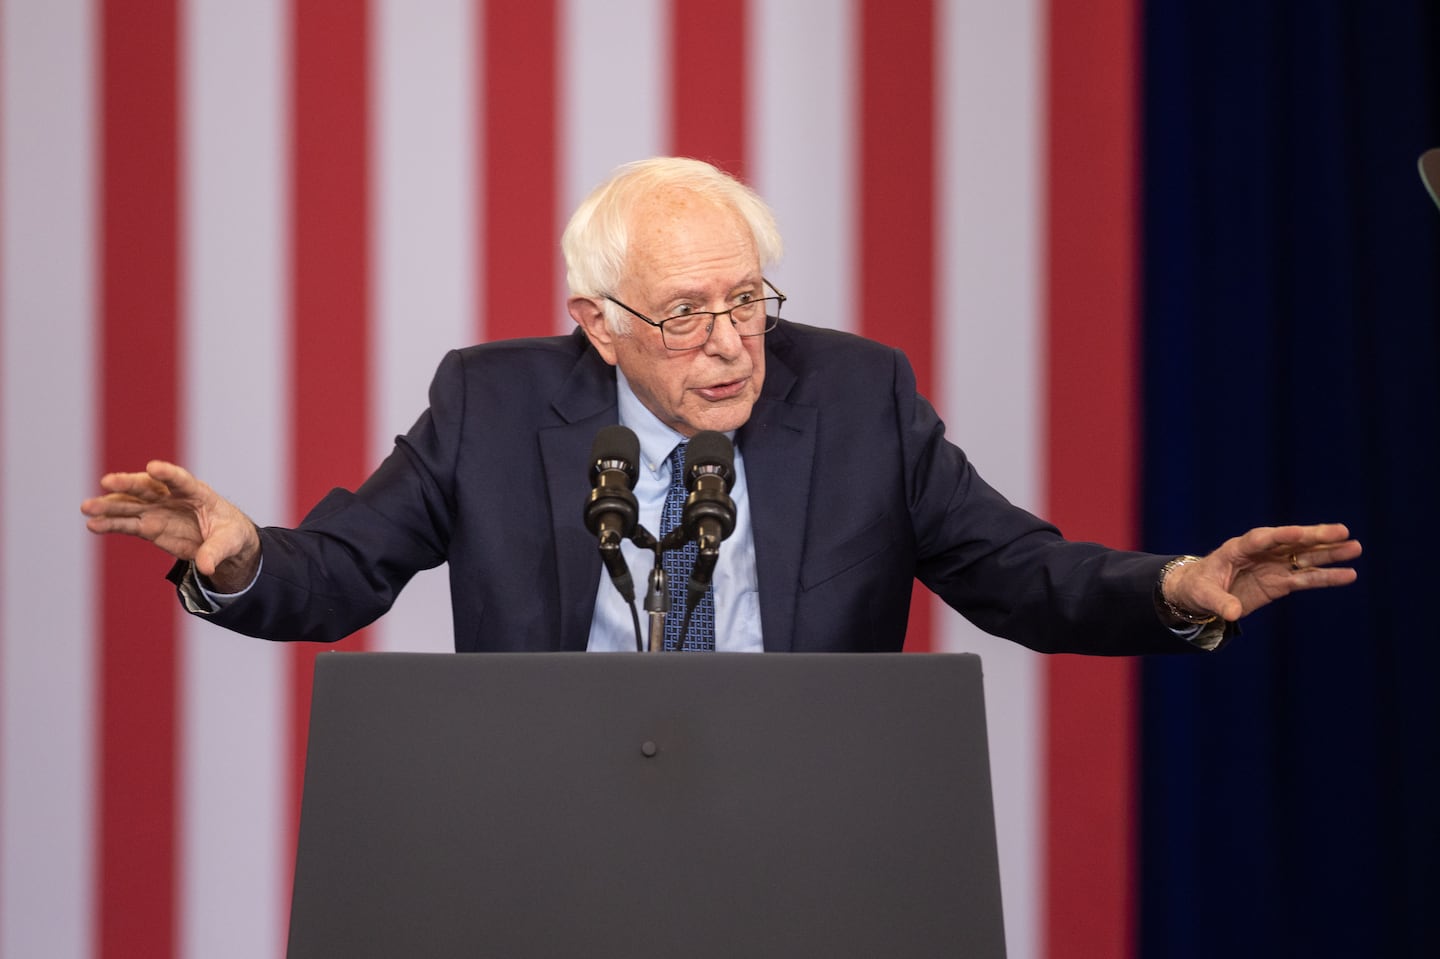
1291,783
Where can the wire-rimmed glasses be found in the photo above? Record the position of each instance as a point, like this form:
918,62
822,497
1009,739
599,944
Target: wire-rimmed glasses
690,331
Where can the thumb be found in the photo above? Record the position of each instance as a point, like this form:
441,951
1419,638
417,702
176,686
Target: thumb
231,542
210,555
1209,596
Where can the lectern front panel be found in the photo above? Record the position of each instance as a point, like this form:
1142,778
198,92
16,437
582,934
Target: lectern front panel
647,805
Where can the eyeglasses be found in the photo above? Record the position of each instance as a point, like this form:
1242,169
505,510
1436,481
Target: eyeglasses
690,331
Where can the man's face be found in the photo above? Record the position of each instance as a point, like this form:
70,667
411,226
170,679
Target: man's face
687,252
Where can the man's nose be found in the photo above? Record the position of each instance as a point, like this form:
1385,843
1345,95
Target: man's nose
724,340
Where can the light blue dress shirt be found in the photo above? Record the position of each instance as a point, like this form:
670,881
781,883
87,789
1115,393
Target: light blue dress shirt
737,588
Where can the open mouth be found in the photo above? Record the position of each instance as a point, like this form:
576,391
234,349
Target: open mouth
723,391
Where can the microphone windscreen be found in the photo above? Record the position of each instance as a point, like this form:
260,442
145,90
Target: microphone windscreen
710,452
615,444
1430,172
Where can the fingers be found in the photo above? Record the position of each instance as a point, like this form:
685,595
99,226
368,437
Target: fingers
126,494
139,504
140,485
119,510
1315,577
1305,559
160,479
1314,545
1269,538
115,513
179,480
129,526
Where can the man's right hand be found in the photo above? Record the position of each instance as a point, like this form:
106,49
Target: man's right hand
184,517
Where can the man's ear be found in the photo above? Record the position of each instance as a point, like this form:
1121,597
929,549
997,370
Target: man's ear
591,317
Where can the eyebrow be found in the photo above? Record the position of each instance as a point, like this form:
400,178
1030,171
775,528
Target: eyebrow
695,294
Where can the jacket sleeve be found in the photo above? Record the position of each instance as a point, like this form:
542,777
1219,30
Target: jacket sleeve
346,562
1009,572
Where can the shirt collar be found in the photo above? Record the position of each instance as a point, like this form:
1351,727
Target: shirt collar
656,439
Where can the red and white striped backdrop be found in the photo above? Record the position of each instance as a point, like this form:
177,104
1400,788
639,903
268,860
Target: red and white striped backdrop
241,235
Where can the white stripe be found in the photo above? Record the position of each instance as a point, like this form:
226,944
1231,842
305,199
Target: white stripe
802,128
235,419
988,288
615,96
47,399
424,245
614,92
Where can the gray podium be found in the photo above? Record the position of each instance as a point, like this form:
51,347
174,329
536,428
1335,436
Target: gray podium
688,805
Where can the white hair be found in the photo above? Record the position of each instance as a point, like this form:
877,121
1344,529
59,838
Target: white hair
597,239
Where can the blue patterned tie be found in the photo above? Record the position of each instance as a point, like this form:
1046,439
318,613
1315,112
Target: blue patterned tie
678,563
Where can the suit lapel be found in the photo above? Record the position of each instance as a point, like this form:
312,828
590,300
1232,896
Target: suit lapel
585,403
778,444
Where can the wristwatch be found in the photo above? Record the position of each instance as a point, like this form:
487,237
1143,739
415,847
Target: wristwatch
1178,614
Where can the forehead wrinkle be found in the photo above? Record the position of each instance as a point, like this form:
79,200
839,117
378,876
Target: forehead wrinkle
685,291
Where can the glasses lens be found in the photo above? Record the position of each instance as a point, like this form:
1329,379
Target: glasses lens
758,316
749,318
687,332
692,330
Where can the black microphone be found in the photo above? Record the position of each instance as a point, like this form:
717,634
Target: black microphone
611,512
709,514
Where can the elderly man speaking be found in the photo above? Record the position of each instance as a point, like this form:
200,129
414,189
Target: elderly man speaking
845,487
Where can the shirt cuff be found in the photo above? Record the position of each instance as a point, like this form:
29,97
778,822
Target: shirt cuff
197,599
1207,637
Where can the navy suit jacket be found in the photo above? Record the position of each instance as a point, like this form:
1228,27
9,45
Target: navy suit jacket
854,490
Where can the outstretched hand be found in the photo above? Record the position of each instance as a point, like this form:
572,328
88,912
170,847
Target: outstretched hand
1261,566
169,507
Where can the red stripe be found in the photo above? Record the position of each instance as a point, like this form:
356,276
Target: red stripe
139,255
518,90
330,321
896,232
1093,451
708,69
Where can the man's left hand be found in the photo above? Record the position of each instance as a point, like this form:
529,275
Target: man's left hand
1261,566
